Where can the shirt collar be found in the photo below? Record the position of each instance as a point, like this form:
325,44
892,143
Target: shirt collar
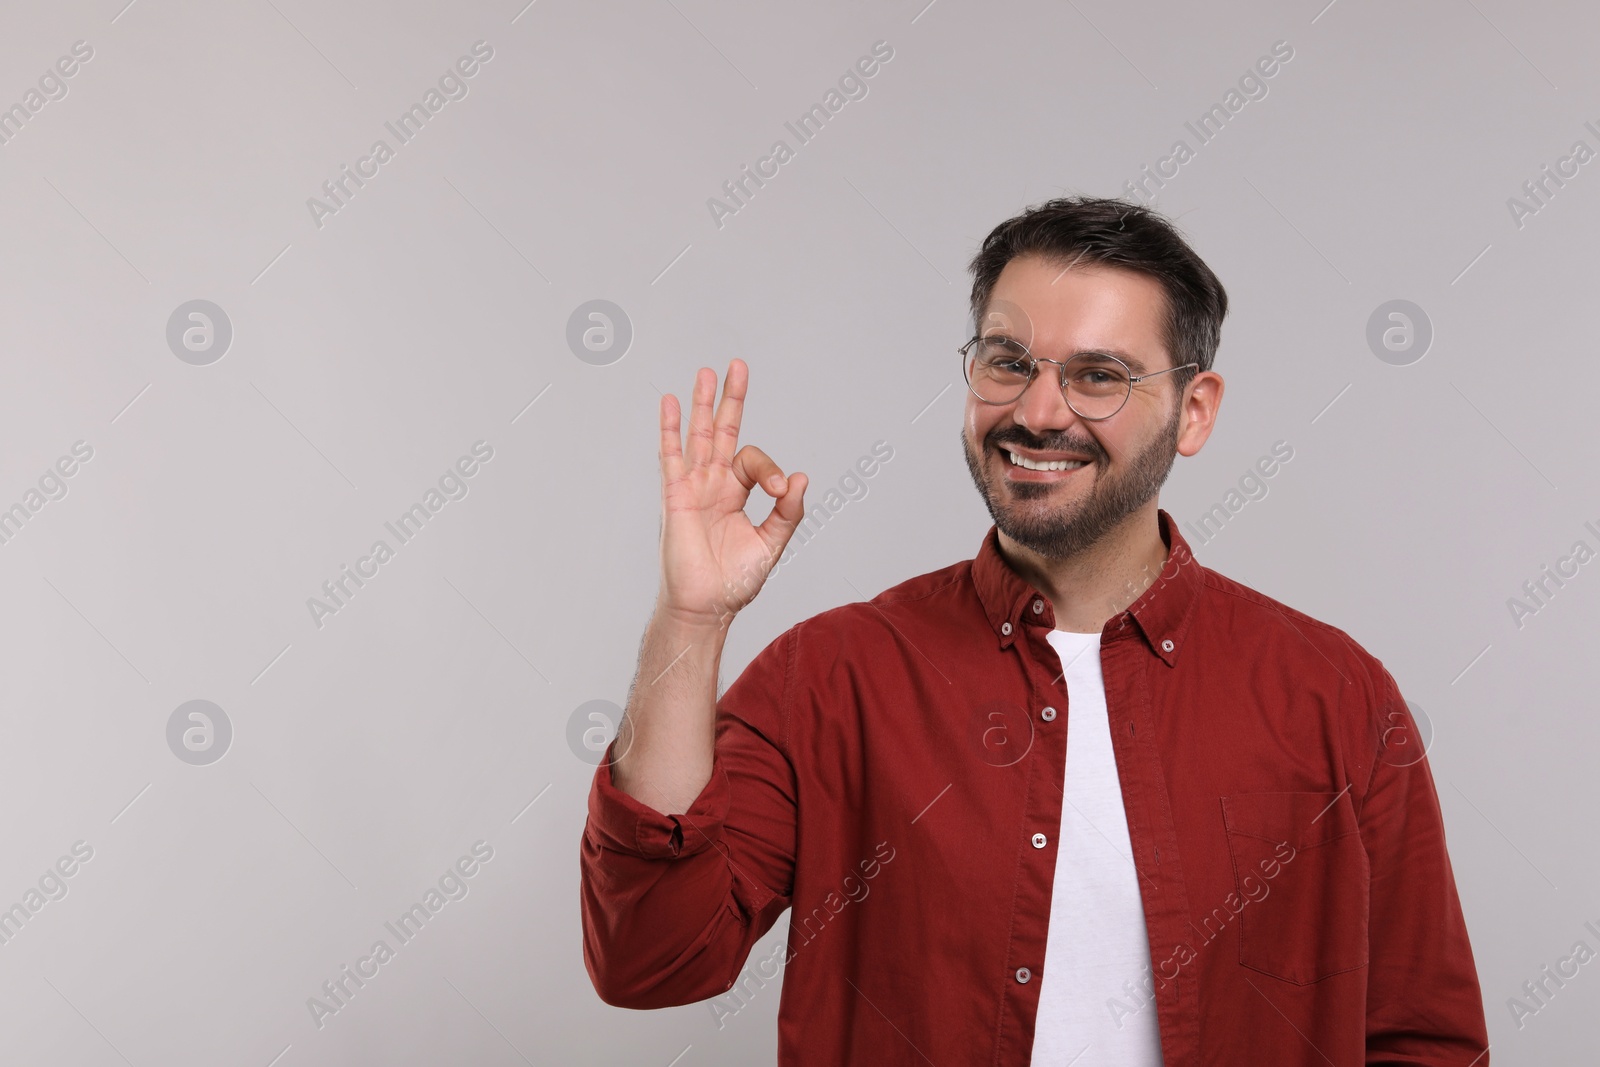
1161,613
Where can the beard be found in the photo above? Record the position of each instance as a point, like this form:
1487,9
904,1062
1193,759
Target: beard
1023,510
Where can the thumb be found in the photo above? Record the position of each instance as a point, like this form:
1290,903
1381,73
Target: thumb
787,511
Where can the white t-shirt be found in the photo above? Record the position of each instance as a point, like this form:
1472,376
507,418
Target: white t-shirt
1094,1006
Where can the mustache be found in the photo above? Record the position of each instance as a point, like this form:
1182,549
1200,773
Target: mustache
1060,443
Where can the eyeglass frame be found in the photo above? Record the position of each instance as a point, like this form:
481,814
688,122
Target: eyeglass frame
1033,369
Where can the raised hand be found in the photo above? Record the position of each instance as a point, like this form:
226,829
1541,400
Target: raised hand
713,558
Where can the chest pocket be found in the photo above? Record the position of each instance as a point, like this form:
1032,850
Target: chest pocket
1299,864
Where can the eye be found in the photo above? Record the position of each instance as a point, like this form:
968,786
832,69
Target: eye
1006,364
1099,376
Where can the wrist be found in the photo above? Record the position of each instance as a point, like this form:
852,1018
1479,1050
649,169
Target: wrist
693,625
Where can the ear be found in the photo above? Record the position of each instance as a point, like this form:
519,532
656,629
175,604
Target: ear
1198,411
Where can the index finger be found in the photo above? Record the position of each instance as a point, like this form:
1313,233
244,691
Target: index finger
754,467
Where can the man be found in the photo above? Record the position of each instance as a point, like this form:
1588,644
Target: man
1079,800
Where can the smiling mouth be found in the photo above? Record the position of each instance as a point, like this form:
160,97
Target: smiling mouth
1043,465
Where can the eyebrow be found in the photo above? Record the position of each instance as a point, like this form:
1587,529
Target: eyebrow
1134,364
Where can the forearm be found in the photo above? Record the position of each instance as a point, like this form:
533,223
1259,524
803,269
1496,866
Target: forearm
664,747
656,893
672,901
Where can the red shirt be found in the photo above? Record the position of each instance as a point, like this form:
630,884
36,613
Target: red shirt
893,772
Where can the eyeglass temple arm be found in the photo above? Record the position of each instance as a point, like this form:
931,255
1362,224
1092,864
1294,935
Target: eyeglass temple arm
1157,373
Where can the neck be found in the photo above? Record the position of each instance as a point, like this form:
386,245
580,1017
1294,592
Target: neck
1093,586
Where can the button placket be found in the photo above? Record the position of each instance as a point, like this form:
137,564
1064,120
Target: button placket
1048,699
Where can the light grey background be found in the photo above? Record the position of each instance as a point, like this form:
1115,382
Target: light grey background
368,354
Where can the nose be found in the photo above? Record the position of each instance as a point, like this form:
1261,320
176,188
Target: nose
1043,404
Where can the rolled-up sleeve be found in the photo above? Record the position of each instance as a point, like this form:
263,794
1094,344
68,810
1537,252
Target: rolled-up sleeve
672,903
1424,1004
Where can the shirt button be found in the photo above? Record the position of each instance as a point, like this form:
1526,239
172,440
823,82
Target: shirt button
1023,975
1005,628
1048,715
1166,646
1039,840
1038,607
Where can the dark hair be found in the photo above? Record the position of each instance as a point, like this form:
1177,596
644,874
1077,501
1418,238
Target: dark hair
1116,233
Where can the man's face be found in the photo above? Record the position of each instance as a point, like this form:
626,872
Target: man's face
1056,312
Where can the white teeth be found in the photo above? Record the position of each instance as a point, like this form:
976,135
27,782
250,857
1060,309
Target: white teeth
1056,465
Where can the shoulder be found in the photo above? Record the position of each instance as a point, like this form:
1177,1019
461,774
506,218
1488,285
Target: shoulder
914,596
1248,618
926,601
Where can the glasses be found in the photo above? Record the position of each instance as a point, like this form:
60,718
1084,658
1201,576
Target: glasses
1097,384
